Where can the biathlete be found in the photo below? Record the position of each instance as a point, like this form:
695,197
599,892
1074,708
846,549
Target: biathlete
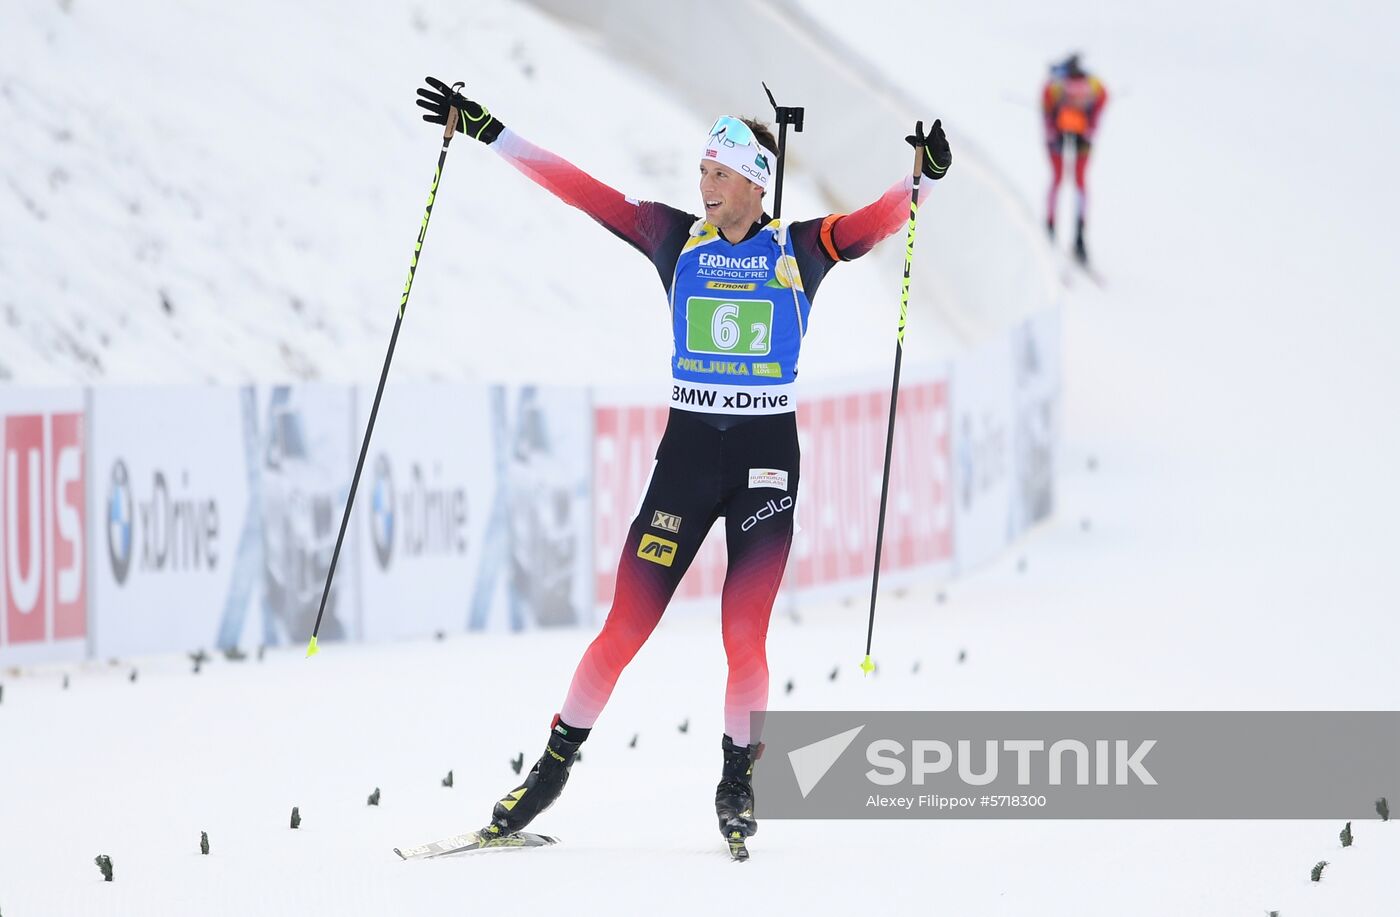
1071,102
739,288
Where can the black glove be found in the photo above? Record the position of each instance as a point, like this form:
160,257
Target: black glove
937,155
473,118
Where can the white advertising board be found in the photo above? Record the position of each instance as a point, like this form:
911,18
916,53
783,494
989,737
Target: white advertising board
535,568
982,462
422,506
300,449
170,490
1038,377
221,507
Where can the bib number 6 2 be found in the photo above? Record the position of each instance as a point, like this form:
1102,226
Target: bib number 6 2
744,327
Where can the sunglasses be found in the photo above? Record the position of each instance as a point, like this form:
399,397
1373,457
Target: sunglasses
731,131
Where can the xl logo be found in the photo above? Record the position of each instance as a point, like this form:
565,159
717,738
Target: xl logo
668,521
44,513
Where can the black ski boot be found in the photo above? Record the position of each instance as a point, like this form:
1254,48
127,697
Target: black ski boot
1080,253
734,795
543,785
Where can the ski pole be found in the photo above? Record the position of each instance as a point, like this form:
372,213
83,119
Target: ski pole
867,666
447,132
784,115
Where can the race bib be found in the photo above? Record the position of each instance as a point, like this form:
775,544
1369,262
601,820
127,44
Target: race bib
720,326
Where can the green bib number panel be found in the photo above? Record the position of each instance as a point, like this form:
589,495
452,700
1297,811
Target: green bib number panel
721,326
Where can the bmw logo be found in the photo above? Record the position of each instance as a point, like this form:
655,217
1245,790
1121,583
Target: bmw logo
119,522
382,512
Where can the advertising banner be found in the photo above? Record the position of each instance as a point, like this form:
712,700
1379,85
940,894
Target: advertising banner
625,437
170,490
843,450
535,566
842,439
218,502
43,515
422,504
156,519
299,446
983,405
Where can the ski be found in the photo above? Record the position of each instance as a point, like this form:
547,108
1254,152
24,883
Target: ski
475,840
1094,276
1072,271
738,849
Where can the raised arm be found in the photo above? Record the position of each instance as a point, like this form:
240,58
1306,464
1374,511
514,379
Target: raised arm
855,234
642,224
627,219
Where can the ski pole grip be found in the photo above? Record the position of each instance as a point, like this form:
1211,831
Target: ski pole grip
919,148
451,115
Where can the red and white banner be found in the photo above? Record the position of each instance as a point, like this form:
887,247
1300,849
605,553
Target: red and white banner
843,442
43,517
843,452
624,449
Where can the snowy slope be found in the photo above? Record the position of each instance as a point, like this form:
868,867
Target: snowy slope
1231,379
214,191
1230,384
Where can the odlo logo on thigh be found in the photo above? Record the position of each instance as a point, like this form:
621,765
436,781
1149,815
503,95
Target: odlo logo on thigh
766,511
657,550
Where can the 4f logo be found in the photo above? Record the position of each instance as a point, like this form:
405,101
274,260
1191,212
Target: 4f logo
657,550
670,523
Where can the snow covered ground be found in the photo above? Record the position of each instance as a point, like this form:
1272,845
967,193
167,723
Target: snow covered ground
1232,388
138,770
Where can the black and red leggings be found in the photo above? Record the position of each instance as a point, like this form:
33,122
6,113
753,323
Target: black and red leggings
744,469
1055,147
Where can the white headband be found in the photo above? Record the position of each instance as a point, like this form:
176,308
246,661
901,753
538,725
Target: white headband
750,158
